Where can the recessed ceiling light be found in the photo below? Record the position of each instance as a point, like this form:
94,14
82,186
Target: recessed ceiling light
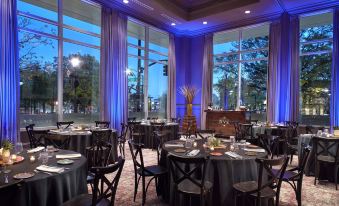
173,24
125,1
205,22
247,12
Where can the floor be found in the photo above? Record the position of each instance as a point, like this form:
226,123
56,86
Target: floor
323,193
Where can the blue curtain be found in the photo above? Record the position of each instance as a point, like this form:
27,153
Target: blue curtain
9,71
283,80
113,77
172,89
335,72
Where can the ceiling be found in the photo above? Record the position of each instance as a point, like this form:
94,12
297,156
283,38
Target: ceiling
188,15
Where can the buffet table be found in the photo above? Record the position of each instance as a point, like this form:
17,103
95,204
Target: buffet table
48,189
220,121
222,171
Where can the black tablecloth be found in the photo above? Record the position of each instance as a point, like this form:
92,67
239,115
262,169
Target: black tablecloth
222,171
148,141
43,189
79,142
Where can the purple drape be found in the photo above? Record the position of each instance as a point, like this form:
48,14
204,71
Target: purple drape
335,72
9,71
293,97
283,80
274,72
113,78
171,95
206,90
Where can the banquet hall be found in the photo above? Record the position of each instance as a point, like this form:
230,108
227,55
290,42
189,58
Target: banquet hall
169,102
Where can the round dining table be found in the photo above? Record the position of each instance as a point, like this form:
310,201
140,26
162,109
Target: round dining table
81,139
148,129
222,171
50,189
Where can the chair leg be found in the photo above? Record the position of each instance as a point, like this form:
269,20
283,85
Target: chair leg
136,182
336,177
143,190
298,192
315,173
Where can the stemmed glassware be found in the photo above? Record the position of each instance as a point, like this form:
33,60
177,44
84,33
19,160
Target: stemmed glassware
18,148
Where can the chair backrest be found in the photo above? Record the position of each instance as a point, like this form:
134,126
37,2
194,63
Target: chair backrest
123,131
9,192
237,129
109,191
203,134
274,178
102,124
99,152
176,120
304,157
264,143
327,147
245,130
180,173
33,141
137,157
67,124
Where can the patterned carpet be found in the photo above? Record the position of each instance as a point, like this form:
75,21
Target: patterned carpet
323,193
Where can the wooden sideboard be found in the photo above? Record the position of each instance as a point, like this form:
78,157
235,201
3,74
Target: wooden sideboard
217,120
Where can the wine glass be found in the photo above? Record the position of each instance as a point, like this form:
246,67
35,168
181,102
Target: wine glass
18,147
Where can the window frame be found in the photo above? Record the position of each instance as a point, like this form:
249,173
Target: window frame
61,39
314,53
146,59
239,57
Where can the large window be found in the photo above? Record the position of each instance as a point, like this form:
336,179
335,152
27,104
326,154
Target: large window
240,70
147,71
316,32
51,88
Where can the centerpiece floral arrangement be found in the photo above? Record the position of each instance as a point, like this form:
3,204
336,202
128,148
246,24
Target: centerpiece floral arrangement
213,142
6,150
189,92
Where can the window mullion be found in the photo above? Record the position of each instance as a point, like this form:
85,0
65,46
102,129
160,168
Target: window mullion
146,72
239,71
60,57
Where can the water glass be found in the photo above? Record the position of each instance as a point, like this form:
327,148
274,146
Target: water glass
188,143
18,147
44,157
319,133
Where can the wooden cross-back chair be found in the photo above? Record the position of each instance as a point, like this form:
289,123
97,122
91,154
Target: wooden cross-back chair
190,180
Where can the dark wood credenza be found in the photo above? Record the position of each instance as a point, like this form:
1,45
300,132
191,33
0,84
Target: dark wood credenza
215,120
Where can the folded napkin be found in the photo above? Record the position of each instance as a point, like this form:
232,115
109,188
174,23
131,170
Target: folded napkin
68,156
37,149
193,153
46,168
254,150
307,135
234,155
54,131
173,145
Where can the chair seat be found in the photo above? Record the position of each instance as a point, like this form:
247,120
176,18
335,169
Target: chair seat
85,200
248,186
188,187
90,177
325,158
155,170
288,175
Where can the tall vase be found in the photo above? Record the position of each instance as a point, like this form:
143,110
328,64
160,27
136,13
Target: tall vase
189,109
